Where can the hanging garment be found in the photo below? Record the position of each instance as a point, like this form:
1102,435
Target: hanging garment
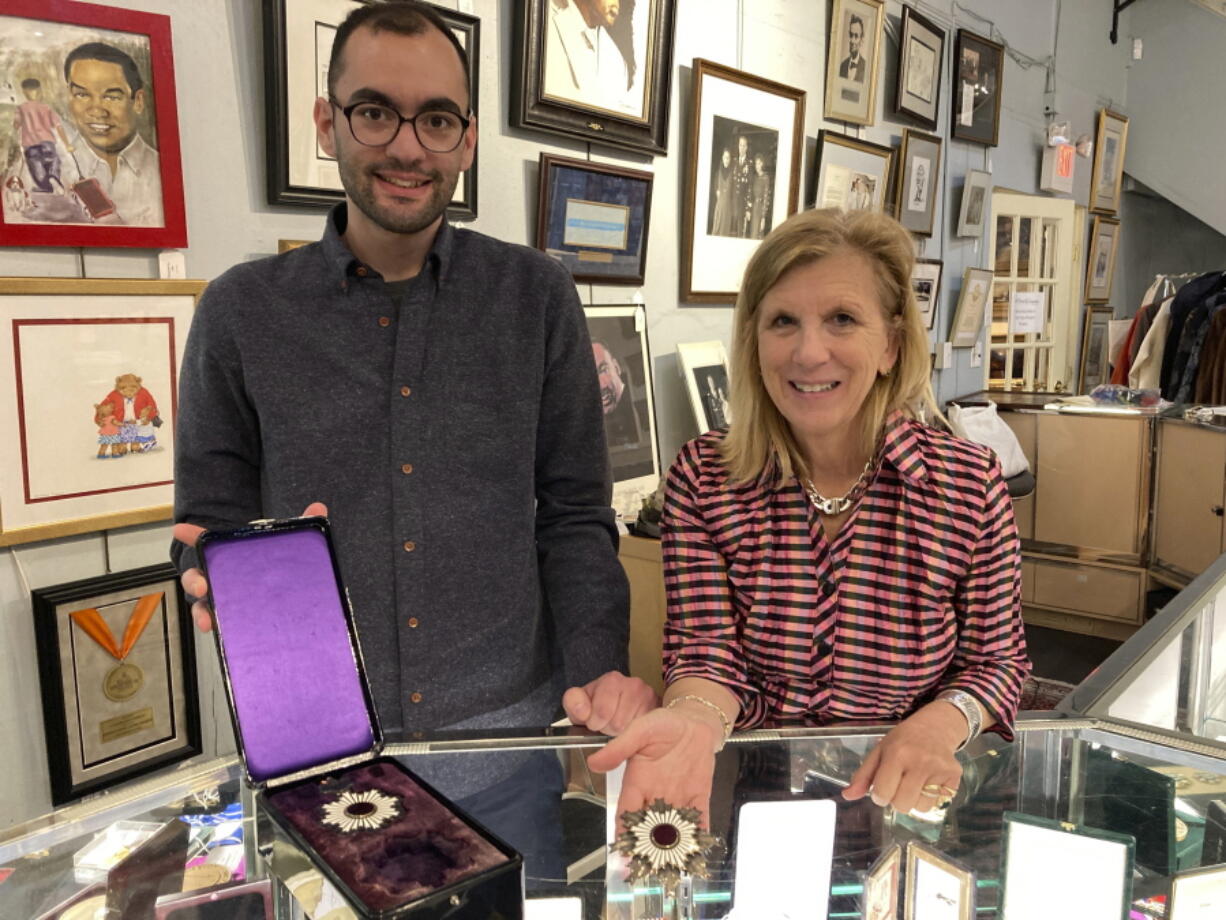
1193,340
1146,372
1175,357
1211,380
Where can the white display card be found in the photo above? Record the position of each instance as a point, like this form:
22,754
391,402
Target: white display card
1059,874
783,856
1028,312
1199,895
553,909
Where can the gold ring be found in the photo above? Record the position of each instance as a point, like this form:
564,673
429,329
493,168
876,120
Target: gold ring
932,789
945,790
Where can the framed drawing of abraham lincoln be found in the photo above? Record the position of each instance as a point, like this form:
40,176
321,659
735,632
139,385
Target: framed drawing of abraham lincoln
89,140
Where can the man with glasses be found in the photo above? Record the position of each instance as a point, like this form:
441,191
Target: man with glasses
433,388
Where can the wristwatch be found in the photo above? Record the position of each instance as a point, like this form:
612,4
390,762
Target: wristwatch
969,707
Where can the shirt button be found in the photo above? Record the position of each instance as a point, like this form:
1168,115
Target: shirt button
407,468
409,546
413,622
405,391
827,587
414,697
361,271
384,321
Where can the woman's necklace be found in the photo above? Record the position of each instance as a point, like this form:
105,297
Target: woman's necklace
833,506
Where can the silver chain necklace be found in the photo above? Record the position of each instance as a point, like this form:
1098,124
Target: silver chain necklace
833,506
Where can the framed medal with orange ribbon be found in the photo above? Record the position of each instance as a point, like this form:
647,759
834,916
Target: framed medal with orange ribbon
118,678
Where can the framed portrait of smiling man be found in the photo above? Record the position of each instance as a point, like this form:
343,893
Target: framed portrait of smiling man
298,39
89,152
856,27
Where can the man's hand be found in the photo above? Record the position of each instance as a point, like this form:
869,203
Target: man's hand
913,766
193,582
609,703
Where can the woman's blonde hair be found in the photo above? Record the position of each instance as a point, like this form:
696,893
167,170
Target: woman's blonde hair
758,433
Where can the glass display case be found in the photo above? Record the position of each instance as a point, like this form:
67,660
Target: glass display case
1158,786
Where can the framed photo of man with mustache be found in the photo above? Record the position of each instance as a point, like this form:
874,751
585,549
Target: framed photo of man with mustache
91,154
298,37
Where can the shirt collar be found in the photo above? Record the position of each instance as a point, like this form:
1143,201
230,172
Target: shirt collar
900,447
132,156
344,263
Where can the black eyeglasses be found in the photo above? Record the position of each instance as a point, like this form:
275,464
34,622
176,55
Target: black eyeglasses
375,125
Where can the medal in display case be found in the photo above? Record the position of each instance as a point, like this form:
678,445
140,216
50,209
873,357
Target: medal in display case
383,842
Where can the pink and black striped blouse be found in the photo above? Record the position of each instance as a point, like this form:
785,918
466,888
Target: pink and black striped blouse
919,592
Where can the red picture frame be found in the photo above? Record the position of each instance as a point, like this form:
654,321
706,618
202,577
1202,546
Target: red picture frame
86,194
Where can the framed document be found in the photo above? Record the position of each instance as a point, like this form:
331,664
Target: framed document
297,46
921,54
1089,871
704,368
979,69
118,675
926,283
1094,367
593,219
852,62
972,304
919,182
1107,176
881,886
93,367
1198,894
71,176
1100,266
974,207
596,71
746,141
937,888
623,367
851,174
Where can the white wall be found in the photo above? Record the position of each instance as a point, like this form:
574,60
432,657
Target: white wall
219,65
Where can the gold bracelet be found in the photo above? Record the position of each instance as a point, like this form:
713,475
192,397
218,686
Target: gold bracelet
723,716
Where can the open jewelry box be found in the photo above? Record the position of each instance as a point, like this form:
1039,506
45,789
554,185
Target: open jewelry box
309,738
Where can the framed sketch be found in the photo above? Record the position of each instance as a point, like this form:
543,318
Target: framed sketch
90,155
1100,266
881,886
118,675
1198,894
1095,365
974,206
926,283
919,182
937,886
1107,176
979,70
593,219
856,28
93,368
594,70
921,55
297,46
1090,869
623,367
704,368
746,142
972,305
851,174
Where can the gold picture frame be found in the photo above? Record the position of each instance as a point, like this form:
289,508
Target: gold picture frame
1100,259
1092,367
853,60
1107,176
946,881
93,365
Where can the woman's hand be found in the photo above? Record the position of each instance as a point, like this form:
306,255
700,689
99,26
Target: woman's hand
670,755
913,766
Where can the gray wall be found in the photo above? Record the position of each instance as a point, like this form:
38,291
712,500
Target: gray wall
218,58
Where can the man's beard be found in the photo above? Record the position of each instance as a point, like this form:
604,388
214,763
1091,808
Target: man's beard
358,181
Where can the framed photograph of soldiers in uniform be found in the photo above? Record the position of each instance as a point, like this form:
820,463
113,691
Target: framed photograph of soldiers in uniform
594,70
298,38
622,361
746,142
117,670
90,154
852,61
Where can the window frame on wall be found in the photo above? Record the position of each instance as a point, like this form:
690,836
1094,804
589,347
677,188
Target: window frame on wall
1050,261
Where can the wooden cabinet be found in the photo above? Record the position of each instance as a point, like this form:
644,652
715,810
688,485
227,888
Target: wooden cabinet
1190,493
640,557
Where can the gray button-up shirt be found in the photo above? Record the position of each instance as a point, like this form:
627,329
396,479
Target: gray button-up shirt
453,427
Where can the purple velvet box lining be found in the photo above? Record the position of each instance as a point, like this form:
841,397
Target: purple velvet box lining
426,848
297,693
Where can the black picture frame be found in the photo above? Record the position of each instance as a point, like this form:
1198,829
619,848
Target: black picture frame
156,713
977,80
542,101
576,195
926,283
919,181
921,44
284,185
